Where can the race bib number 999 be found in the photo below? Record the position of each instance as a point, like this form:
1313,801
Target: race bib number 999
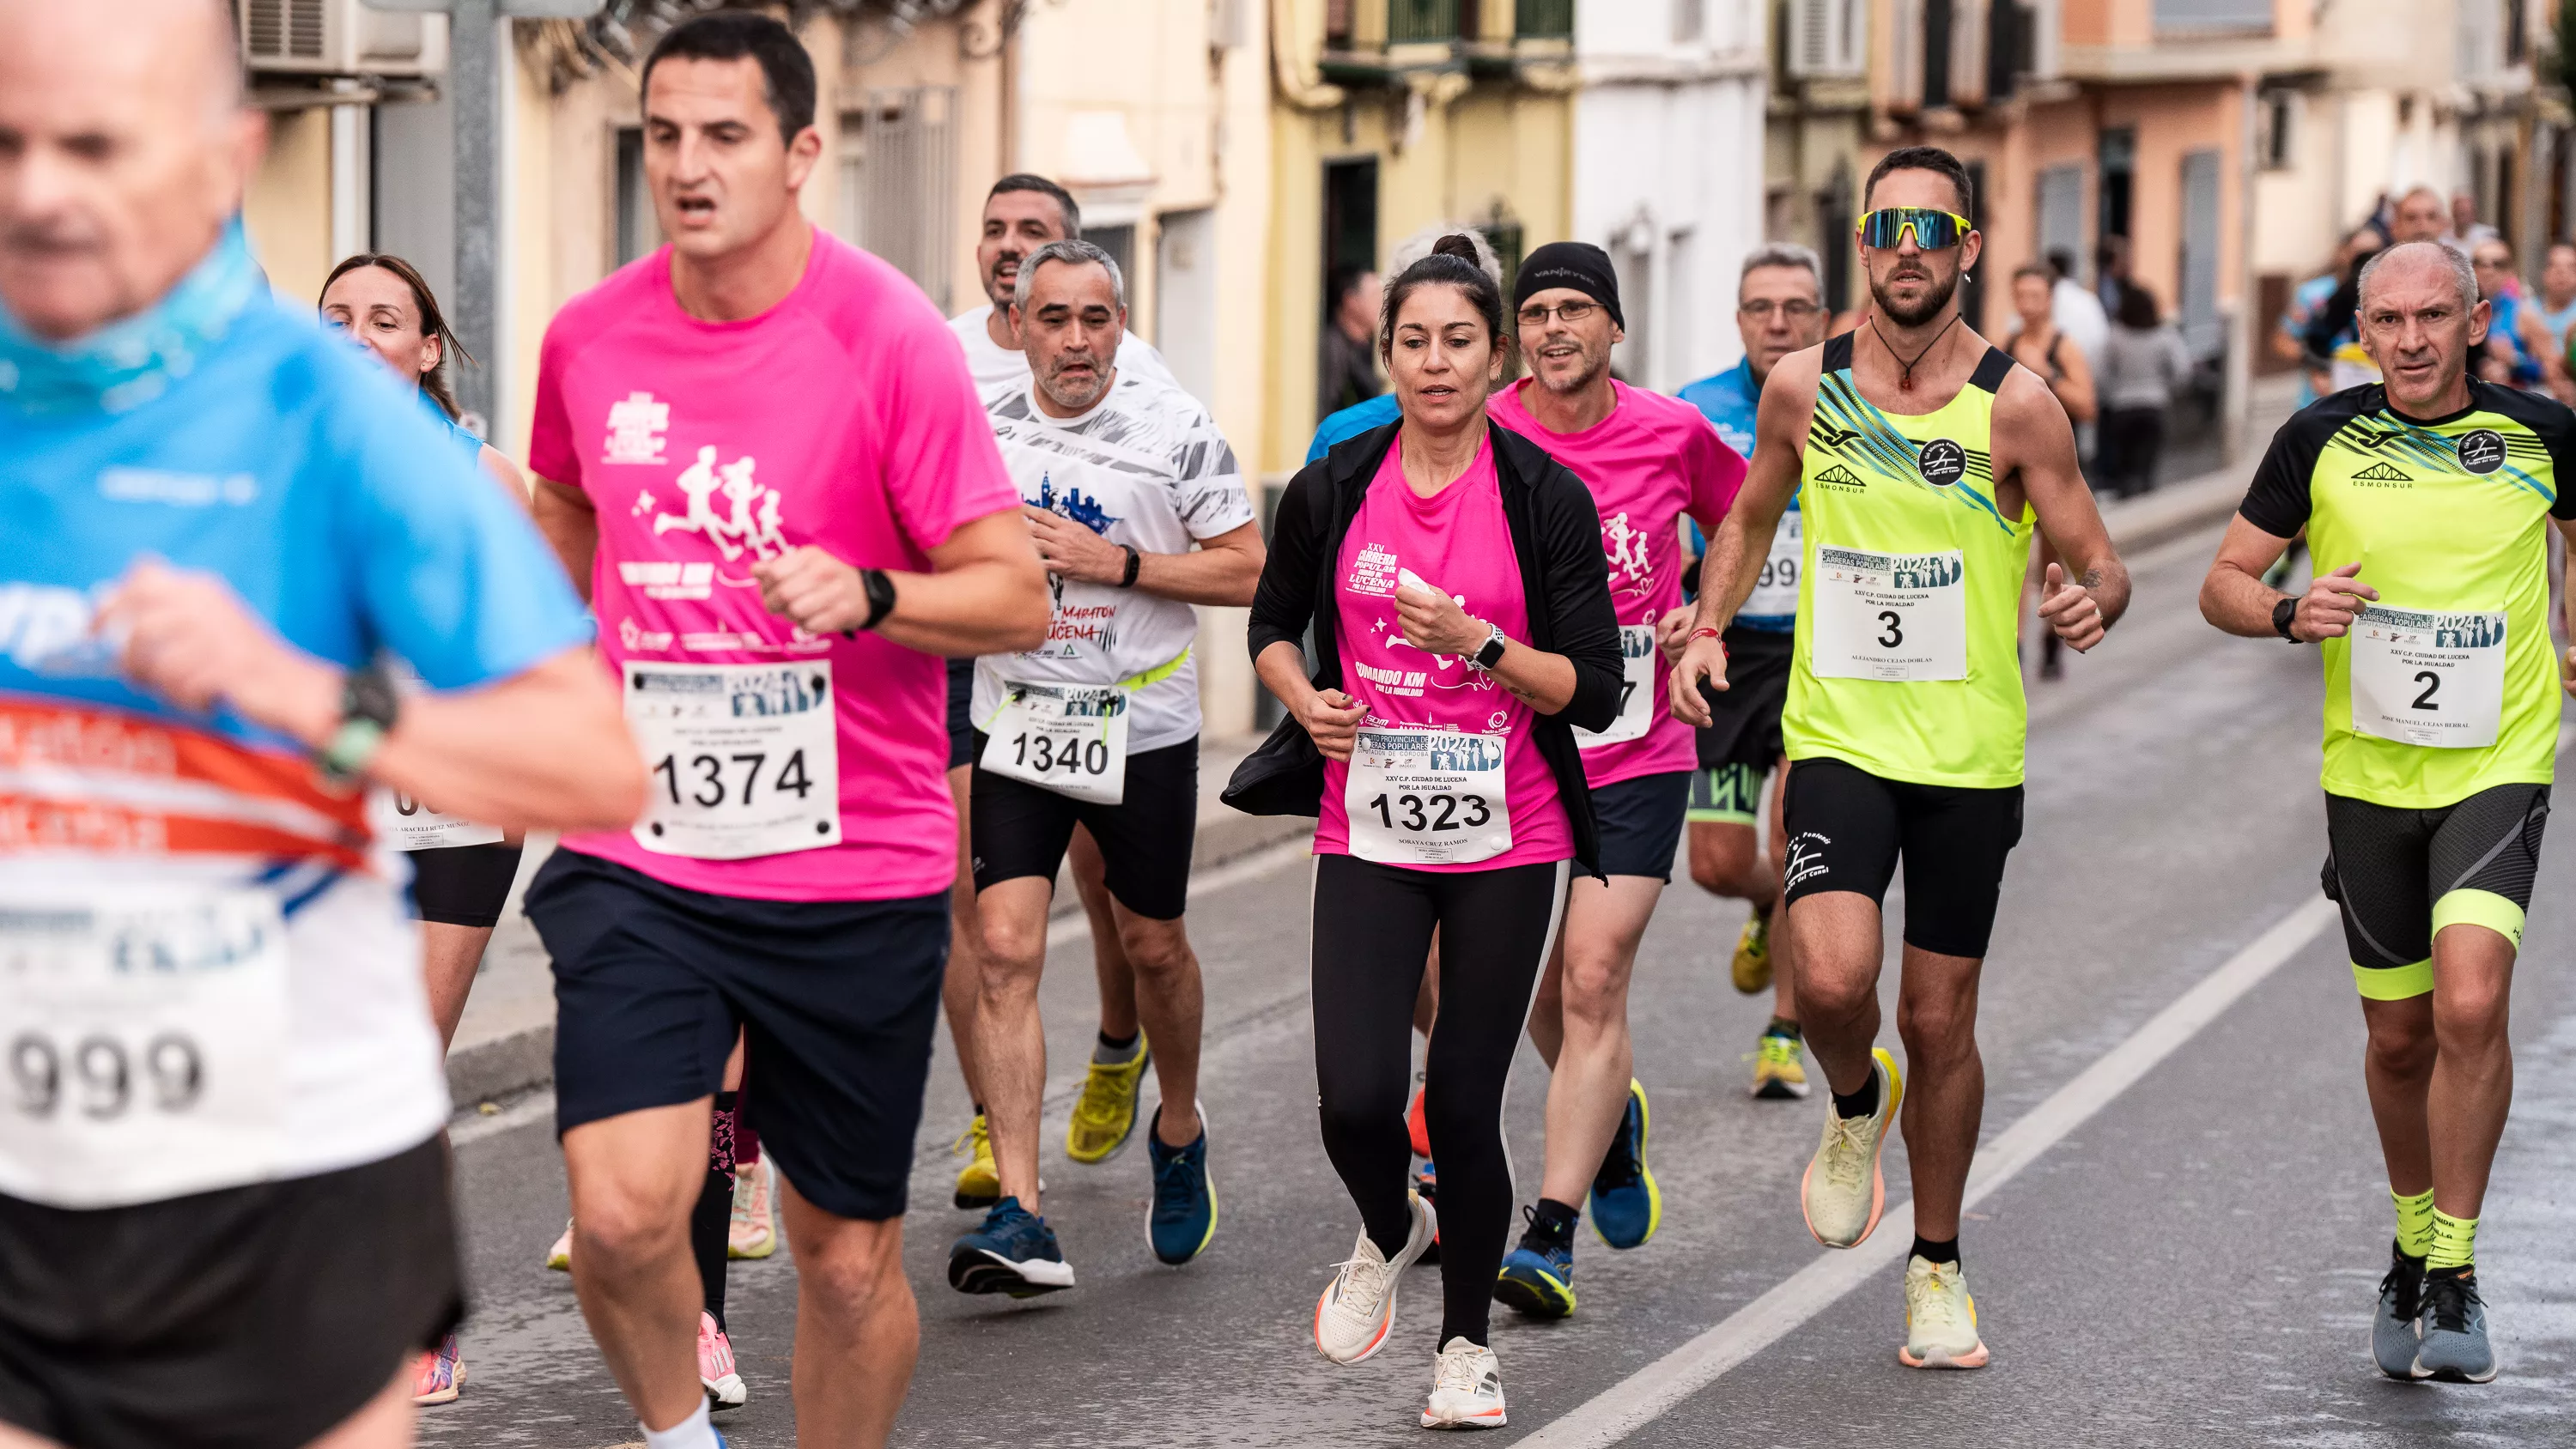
744,757
1638,658
2428,679
1427,797
1775,592
1897,617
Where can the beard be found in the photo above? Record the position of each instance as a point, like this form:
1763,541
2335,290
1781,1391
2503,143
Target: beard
1074,392
1588,367
1938,297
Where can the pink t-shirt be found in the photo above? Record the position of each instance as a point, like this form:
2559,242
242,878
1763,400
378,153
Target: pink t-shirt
1457,540
842,417
1652,460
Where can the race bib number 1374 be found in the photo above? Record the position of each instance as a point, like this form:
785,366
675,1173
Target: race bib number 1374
744,757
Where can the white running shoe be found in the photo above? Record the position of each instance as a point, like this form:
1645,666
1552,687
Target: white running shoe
716,1371
559,1257
1843,1193
1466,1388
1940,1318
1357,1310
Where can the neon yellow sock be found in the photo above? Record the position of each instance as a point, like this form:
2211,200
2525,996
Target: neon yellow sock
2414,1222
2455,1241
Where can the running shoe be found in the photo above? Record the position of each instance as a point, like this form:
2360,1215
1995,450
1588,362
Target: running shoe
1357,1309
439,1376
754,1230
1417,1127
1426,1183
979,1182
1105,1116
1752,965
1626,1205
2394,1334
1940,1318
1537,1278
1014,1252
716,1372
1183,1218
1843,1192
1466,1388
2455,1348
559,1257
1779,1068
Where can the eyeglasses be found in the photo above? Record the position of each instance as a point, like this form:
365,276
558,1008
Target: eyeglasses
1568,313
1934,229
1796,309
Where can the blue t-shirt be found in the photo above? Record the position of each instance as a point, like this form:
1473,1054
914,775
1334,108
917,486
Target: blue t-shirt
2504,319
454,431
1730,399
2310,295
1352,421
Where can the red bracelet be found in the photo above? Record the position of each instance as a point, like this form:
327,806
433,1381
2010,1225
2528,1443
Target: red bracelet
1705,632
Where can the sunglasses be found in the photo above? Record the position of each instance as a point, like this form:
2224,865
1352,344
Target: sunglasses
1934,229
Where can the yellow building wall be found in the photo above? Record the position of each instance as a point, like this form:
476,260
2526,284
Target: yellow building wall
288,205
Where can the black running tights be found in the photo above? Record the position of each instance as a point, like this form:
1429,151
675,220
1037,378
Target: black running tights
1373,928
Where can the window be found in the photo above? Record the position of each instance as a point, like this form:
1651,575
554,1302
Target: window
898,179
1826,37
1690,20
1936,53
2209,15
2276,139
1543,19
638,230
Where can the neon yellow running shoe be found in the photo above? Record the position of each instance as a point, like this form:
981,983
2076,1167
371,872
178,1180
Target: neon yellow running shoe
1779,1068
1753,954
1105,1115
979,1182
559,1257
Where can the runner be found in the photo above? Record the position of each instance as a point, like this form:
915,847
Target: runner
773,568
224,1211
1779,309
1098,727
1905,722
1445,803
1647,460
2426,502
1021,214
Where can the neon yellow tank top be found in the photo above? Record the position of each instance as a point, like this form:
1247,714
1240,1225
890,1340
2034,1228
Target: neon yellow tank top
1907,664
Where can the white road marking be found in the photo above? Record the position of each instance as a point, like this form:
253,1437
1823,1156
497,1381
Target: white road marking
534,1107
1659,1386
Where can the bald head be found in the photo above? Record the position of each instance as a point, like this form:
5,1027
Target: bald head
124,149
2420,316
2411,265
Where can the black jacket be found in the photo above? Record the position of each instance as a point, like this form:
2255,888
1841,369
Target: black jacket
1556,537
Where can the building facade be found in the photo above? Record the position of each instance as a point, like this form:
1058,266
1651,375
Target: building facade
1817,131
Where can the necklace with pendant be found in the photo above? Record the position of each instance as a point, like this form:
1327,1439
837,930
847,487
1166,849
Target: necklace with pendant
1905,380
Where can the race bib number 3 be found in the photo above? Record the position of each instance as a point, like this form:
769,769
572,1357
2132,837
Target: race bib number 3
1427,797
2428,679
1637,658
1775,593
1896,617
744,757
1069,738
406,824
145,1027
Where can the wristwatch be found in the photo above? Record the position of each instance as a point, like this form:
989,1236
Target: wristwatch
1490,655
2282,613
880,592
368,708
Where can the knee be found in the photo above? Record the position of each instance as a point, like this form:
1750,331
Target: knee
1829,994
619,1226
1351,1109
1727,867
1594,988
856,1269
1932,1025
2401,1049
2470,1018
1014,952
1158,951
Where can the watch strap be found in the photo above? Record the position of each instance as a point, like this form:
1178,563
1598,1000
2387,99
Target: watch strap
369,704
2283,614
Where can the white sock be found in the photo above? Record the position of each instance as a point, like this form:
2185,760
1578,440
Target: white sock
693,1432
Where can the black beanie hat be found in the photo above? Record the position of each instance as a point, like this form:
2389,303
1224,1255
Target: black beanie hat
1578,265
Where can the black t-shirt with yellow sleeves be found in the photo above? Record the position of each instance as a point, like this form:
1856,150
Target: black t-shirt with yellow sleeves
2448,684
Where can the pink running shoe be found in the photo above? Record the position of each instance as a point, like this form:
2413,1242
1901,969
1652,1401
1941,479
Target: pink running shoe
442,1374
725,1388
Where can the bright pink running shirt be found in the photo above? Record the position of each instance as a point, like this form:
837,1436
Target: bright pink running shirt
1652,460
843,418
1458,540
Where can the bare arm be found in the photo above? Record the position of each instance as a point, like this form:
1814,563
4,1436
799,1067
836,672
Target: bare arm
1222,570
1743,541
501,470
2042,457
1434,621
2075,390
984,594
571,527
2235,598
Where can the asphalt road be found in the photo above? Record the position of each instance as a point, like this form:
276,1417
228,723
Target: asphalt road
2185,1253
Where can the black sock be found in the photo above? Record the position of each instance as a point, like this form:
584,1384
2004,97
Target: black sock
979,1109
1554,1221
1945,1251
1119,1043
1782,1026
1862,1103
709,1222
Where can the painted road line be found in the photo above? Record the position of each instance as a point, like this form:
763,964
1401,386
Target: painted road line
1651,1391
534,1107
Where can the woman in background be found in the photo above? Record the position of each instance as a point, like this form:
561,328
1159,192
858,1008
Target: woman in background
2145,364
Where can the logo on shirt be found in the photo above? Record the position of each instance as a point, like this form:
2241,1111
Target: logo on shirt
1941,462
182,490
635,427
1839,476
1373,571
1632,572
40,624
1075,505
646,640
1833,438
2481,451
749,523
2382,473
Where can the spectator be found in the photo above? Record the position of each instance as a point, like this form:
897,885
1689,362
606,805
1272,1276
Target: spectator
1347,372
2466,230
2555,309
2336,358
2147,362
2110,272
2420,217
2038,343
2515,342
2309,301
2076,311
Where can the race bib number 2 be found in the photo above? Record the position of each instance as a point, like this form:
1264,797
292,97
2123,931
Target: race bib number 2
744,757
1895,617
1427,797
1068,738
1637,694
2428,679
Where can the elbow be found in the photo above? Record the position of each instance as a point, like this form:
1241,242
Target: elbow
613,794
1022,624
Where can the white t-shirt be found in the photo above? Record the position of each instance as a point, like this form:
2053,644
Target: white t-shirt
996,366
1146,466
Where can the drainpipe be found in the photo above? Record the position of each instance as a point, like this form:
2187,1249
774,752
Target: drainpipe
2236,397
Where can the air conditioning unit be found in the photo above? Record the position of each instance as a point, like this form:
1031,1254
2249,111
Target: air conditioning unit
1828,37
339,37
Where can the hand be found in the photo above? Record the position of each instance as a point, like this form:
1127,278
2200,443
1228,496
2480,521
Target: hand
1332,721
2070,610
1433,621
2328,607
1069,549
812,590
1673,631
2567,671
187,637
1703,660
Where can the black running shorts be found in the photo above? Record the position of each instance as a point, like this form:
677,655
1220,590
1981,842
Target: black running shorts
1018,829
462,885
837,999
1641,823
2400,876
246,1318
961,713
1744,718
1847,827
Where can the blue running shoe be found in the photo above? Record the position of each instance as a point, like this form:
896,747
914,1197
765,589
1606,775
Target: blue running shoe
1626,1206
1183,1217
1014,1252
1538,1276
2455,1348
2394,1334
1427,1183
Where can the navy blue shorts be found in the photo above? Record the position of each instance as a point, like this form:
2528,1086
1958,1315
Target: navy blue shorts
961,713
1641,823
837,999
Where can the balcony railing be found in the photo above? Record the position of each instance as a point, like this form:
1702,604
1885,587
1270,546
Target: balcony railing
1543,19
2212,16
1416,22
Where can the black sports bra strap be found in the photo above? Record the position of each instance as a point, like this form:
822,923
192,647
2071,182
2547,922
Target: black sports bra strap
1838,352
1992,369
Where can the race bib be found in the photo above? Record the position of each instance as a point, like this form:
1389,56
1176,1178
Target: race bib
1069,738
2427,679
406,824
1638,657
1427,797
744,757
1775,592
145,1027
1898,617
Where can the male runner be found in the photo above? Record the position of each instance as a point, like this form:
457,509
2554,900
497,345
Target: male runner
224,1212
1021,214
2426,500
773,566
1648,460
1779,309
1920,454
1098,727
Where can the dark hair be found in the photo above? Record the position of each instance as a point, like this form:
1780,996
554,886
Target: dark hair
1452,263
786,71
2061,262
1030,181
1923,158
2035,269
2138,309
1339,288
433,323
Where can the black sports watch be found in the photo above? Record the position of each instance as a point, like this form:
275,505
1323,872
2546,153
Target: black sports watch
369,705
1492,653
2282,613
880,590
